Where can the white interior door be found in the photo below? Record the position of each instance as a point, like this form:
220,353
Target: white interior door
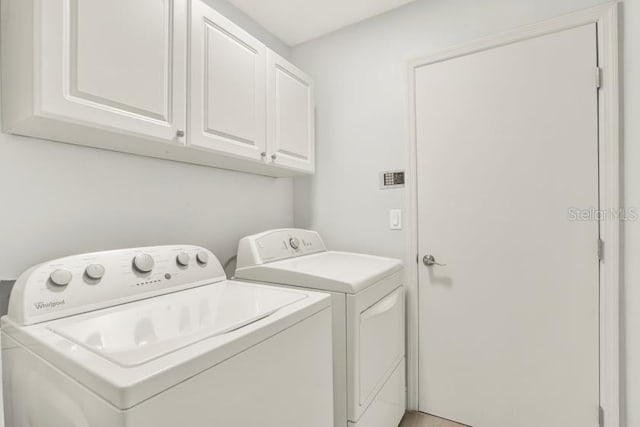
506,147
117,64
228,86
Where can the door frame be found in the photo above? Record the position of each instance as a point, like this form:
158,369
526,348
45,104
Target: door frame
605,16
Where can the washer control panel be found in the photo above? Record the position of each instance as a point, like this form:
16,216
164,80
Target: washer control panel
276,245
81,283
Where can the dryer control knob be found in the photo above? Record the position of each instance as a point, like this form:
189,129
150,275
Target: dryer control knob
202,257
60,277
183,259
94,271
143,263
294,242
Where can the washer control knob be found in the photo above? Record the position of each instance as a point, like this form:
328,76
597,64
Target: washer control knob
94,271
60,277
143,263
294,243
202,257
183,259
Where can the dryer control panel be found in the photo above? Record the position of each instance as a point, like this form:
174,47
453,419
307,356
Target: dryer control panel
276,245
81,283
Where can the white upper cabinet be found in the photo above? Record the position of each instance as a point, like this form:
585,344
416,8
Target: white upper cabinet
172,79
116,65
228,86
290,123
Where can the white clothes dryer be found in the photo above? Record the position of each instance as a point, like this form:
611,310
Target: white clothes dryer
368,317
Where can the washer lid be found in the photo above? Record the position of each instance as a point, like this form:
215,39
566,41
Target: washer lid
138,333
129,353
330,271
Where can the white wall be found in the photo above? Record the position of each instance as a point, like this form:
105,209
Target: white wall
362,108
361,76
59,199
631,272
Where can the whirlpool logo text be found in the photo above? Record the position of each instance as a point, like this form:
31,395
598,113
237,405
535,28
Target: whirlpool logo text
48,305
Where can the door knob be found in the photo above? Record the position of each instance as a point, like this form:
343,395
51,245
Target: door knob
430,260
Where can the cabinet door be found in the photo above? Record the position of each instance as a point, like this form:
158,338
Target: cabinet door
117,65
228,86
290,120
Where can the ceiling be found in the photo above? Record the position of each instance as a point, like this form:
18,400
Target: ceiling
296,21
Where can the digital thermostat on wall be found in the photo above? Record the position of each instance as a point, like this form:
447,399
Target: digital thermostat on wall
392,179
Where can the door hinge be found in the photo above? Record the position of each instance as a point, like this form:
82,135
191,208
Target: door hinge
598,77
600,416
600,250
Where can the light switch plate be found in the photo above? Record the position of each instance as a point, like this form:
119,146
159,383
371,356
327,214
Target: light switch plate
395,219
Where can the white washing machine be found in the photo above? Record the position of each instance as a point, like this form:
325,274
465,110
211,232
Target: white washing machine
368,317
158,337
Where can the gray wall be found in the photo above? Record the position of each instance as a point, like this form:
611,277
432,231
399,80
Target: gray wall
58,199
362,107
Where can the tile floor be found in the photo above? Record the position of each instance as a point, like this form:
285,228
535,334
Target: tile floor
417,419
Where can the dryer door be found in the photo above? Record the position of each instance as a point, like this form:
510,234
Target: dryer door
376,341
381,341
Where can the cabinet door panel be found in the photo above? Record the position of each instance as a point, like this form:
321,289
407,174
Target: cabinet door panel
130,69
291,115
227,86
115,64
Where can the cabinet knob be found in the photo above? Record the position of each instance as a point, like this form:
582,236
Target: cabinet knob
180,133
274,156
263,154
